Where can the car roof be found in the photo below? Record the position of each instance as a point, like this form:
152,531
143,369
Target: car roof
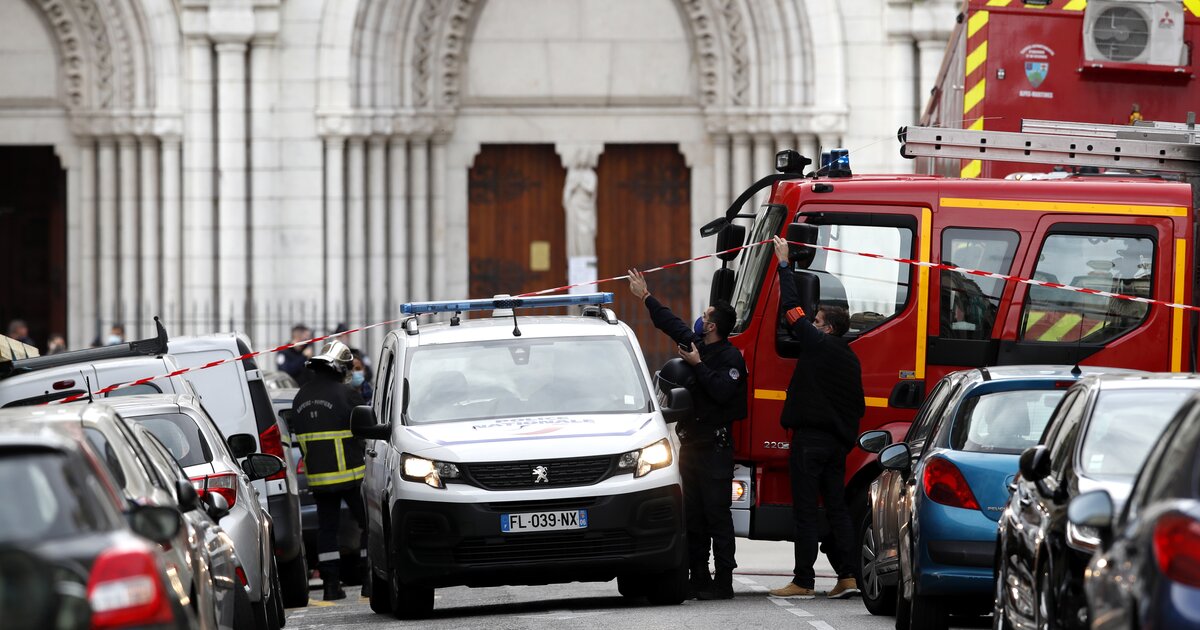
151,402
1157,380
1014,373
501,328
47,423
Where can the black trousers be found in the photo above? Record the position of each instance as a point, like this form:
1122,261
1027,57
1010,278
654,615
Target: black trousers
819,470
707,473
329,516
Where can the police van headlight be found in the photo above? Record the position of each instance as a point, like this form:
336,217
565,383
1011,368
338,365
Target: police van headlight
427,471
644,460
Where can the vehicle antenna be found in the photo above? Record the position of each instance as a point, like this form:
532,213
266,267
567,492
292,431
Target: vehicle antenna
516,329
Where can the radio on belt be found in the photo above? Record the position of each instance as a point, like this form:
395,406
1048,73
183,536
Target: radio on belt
522,448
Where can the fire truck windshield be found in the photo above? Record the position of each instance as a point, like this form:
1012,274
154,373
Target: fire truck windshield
753,263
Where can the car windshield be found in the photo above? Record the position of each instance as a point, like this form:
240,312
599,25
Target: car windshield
40,500
1004,422
180,435
524,377
1123,427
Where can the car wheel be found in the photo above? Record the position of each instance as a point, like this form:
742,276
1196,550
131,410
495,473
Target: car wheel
277,594
243,611
380,597
927,613
630,586
408,601
879,599
293,576
666,589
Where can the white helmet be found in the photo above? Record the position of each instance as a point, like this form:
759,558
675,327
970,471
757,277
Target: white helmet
334,355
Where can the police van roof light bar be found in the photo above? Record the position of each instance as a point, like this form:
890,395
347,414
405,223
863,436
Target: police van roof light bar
488,304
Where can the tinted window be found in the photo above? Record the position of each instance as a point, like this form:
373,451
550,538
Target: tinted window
1105,263
1123,427
969,302
179,433
871,290
40,500
123,463
1003,422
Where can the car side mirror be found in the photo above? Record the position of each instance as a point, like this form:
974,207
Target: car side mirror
189,499
874,441
216,506
241,444
678,406
157,523
260,465
1035,463
896,457
364,424
1093,510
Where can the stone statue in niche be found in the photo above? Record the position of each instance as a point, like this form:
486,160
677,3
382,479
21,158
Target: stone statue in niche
579,201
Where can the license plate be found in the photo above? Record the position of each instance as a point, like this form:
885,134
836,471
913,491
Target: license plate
543,521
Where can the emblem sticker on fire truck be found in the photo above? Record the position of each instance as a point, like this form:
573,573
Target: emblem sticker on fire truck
1037,68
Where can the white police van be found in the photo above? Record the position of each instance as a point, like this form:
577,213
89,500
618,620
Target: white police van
519,449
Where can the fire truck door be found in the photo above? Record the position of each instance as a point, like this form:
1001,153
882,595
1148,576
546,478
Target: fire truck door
1061,326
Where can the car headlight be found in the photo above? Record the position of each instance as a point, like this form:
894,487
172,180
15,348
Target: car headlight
644,460
427,471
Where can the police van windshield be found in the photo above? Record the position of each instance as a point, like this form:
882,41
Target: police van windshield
524,377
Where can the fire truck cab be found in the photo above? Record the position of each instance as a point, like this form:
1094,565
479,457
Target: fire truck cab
911,324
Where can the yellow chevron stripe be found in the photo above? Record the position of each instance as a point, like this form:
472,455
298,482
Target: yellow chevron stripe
1193,6
999,3
977,125
979,19
1032,318
1061,327
977,57
973,96
971,170
1075,5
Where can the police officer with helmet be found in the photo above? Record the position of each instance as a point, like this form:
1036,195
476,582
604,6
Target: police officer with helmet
333,457
715,375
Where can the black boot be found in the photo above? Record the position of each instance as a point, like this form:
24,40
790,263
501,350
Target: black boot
333,590
699,581
722,586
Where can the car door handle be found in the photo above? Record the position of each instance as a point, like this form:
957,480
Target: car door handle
371,452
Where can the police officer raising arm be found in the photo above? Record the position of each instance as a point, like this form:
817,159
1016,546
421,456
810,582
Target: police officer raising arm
824,404
706,452
333,457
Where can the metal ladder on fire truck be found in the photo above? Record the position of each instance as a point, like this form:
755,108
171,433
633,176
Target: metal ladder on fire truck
1144,146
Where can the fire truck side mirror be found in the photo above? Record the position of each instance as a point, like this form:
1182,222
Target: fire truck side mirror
801,233
733,236
808,289
722,285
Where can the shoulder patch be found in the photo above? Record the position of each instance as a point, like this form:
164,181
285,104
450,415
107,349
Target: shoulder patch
734,374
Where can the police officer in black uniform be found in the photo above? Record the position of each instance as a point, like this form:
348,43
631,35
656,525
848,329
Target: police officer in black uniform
333,457
706,445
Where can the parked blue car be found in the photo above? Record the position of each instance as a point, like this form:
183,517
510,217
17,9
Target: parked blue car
932,540
1146,573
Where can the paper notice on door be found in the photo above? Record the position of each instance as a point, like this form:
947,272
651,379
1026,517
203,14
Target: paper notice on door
581,269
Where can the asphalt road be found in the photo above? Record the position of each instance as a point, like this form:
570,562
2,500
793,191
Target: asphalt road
762,566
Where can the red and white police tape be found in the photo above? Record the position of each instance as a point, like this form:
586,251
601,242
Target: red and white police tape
681,263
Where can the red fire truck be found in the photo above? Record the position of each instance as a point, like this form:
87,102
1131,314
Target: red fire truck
1088,61
910,325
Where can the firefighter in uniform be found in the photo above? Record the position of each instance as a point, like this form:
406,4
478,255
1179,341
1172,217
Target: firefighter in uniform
718,388
333,457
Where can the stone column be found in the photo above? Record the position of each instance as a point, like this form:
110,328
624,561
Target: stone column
356,231
419,220
199,206
807,145
84,328
398,233
267,279
232,235
151,289
376,240
721,174
106,299
172,236
437,219
929,63
128,291
764,164
741,167
335,231
901,60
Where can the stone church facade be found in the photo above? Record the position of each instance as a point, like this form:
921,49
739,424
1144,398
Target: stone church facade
249,163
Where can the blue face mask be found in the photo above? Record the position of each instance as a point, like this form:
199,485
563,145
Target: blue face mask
356,379
699,326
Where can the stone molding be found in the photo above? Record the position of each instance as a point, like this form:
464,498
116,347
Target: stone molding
116,123
384,123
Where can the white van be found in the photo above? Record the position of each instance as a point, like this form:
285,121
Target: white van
519,450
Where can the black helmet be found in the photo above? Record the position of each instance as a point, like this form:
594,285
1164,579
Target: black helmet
675,373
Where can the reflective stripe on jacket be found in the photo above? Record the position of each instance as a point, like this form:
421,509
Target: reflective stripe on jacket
333,457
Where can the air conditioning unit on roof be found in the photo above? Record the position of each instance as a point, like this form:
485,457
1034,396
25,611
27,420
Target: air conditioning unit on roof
1147,32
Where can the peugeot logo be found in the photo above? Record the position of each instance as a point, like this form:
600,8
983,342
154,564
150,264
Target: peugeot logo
539,474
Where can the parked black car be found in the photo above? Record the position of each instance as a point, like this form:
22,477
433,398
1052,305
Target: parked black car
1098,438
1146,573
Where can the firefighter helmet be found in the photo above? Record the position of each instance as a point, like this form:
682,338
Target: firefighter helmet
335,356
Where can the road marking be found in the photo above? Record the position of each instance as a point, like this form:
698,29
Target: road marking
757,588
320,603
820,625
743,580
780,602
799,612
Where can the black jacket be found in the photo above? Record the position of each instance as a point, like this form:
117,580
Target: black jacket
333,458
825,397
719,392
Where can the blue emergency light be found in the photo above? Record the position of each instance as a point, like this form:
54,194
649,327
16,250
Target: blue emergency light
835,163
489,304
